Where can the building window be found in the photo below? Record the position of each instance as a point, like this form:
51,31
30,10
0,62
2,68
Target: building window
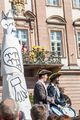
56,42
78,43
76,3
22,35
53,2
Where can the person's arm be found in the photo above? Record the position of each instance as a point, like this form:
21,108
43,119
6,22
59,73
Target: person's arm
51,93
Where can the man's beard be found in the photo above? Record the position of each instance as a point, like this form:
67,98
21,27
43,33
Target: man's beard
57,82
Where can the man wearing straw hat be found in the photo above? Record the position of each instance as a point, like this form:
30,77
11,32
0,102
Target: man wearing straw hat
40,91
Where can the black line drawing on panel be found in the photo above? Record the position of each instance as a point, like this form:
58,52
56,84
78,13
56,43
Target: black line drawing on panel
20,92
11,58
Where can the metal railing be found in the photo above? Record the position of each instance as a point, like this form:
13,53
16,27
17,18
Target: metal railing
46,58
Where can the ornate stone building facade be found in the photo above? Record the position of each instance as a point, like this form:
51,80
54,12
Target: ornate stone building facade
54,25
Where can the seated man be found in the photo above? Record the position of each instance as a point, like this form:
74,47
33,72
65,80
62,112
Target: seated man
40,91
54,91
9,110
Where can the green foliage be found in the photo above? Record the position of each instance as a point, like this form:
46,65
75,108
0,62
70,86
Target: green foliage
31,98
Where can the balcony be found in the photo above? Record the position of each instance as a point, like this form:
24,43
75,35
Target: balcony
38,59
41,58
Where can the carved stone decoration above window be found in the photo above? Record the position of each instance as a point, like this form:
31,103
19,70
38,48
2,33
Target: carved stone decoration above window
17,7
30,17
77,22
56,20
27,19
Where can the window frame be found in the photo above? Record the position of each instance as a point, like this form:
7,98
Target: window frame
63,42
27,40
52,5
77,47
55,42
74,6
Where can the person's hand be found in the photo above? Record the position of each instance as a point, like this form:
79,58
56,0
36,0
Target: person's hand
50,99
